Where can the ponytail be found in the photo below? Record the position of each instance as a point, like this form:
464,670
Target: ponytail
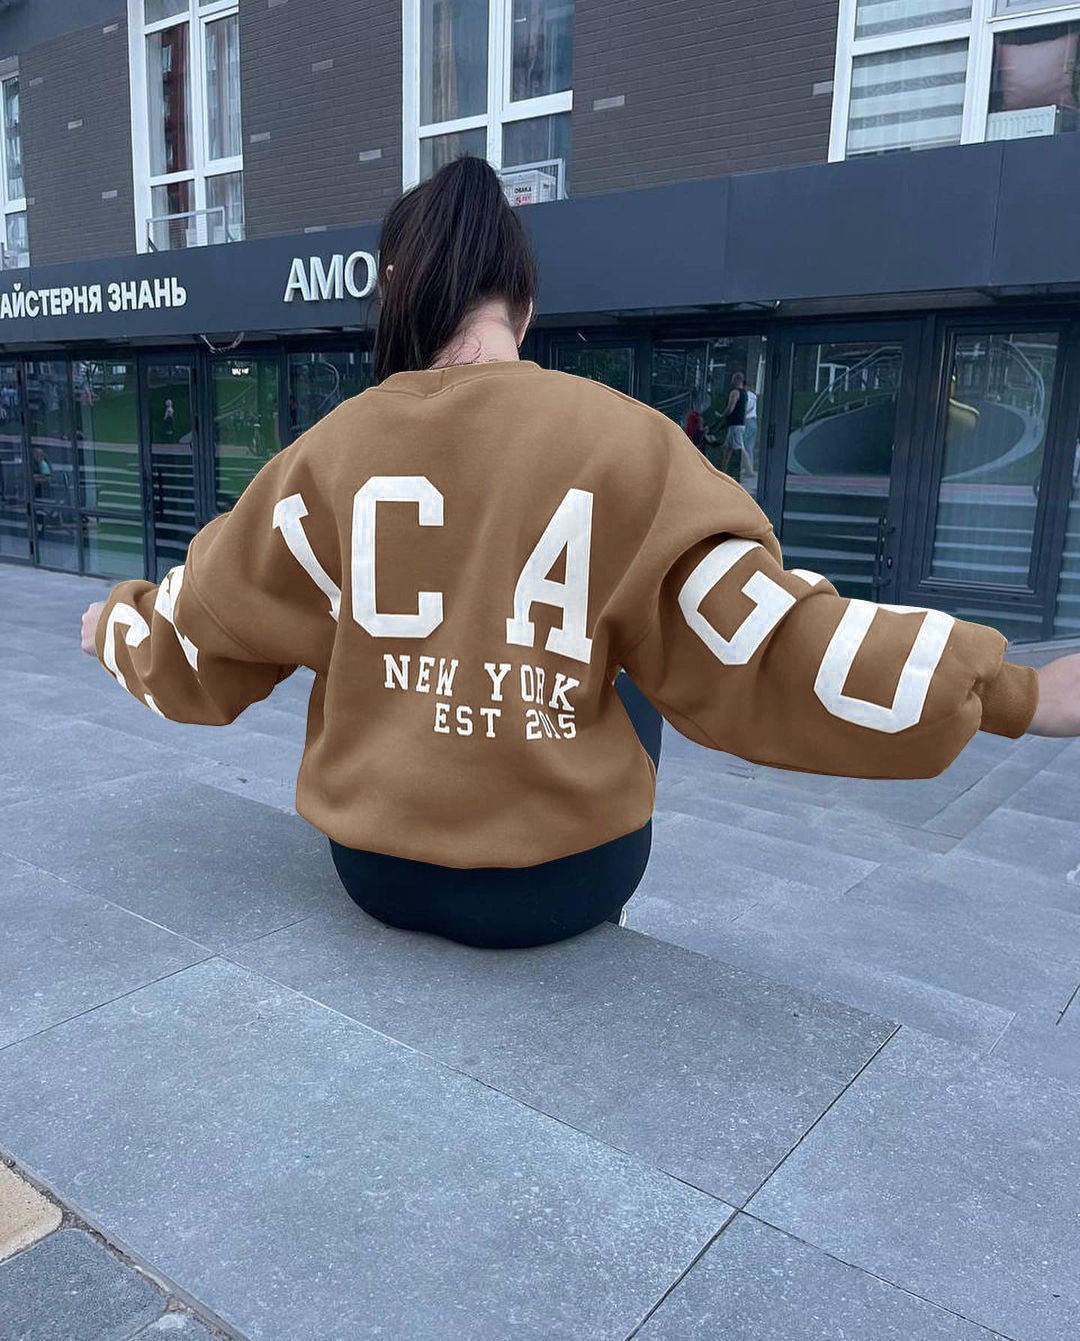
454,242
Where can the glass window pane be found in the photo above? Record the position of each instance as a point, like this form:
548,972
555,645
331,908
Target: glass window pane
1000,393
453,59
692,382
1067,606
542,47
16,243
541,139
56,537
168,92
14,516
112,547
873,17
911,99
12,141
840,440
1020,6
169,392
164,9
611,364
245,423
223,87
225,192
438,150
171,226
319,381
48,421
1033,88
107,433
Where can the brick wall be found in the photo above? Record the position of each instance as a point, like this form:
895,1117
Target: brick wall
321,99
710,87
76,131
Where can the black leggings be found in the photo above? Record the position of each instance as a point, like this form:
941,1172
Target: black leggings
509,907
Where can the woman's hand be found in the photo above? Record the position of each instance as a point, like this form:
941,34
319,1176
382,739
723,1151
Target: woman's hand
1058,713
89,627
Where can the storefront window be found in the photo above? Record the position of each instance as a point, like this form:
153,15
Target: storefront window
693,383
107,433
112,547
1035,86
320,381
246,430
611,364
1000,392
52,463
876,17
907,99
14,514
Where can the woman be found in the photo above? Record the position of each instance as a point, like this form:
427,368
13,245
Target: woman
468,554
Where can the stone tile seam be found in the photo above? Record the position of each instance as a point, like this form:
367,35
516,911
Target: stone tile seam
820,1117
636,1329
875,1275
73,1218
635,1156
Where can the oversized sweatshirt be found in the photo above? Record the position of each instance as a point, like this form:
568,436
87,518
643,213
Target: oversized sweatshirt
466,557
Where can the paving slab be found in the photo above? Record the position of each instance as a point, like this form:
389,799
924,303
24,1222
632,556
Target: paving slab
1021,886
25,1215
756,1284
175,1324
69,1287
997,787
955,1178
300,1175
1036,843
208,865
1047,1037
64,951
707,1071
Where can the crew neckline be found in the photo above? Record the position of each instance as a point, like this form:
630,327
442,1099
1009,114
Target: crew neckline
428,381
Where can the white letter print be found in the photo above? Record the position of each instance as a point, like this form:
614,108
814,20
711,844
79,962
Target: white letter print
772,603
391,489
126,617
570,529
288,515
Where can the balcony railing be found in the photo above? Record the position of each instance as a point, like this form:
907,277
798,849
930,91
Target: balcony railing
531,183
192,228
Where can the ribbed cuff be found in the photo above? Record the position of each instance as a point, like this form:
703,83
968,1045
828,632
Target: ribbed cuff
1009,700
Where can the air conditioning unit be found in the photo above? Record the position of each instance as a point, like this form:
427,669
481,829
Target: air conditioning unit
1022,124
530,186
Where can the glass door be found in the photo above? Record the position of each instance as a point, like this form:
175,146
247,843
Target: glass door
14,474
54,484
843,419
601,361
170,442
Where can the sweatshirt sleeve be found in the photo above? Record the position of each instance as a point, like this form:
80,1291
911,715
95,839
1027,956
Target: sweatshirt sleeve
224,627
773,665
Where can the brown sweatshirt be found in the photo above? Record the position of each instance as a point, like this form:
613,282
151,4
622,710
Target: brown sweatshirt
466,556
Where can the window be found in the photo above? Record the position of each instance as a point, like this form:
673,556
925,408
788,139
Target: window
14,246
491,78
319,381
913,74
185,67
246,430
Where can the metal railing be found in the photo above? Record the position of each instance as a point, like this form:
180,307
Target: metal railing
191,228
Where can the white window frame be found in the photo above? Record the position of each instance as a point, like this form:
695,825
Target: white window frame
500,110
12,206
197,16
979,32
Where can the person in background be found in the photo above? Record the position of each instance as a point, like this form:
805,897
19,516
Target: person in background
735,422
694,426
502,576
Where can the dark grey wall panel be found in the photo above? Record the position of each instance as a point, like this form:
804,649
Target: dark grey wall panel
76,127
1037,236
26,23
321,87
710,87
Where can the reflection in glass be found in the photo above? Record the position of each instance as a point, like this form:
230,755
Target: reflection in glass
438,150
13,168
543,44
223,87
692,383
17,246
911,99
107,433
1067,605
52,463
14,513
169,232
320,381
168,392
612,364
874,17
540,139
164,9
112,547
225,190
995,432
453,59
1034,84
168,92
57,538
246,433
841,435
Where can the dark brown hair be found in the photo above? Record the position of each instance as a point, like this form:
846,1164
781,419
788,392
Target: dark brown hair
454,242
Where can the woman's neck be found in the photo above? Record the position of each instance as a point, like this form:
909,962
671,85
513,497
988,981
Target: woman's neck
487,337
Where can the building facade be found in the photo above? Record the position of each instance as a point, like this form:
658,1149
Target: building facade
866,207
